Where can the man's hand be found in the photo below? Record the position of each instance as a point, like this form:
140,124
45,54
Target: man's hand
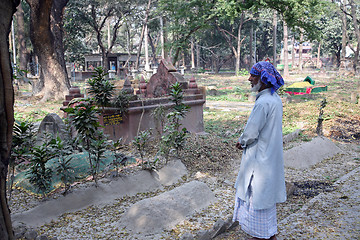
238,145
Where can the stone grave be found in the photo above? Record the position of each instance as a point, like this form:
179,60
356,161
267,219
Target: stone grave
148,97
51,124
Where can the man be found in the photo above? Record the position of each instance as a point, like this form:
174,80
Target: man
261,183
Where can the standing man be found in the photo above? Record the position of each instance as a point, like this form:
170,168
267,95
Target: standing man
261,183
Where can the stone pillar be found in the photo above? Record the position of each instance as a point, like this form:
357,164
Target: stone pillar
74,92
127,88
142,88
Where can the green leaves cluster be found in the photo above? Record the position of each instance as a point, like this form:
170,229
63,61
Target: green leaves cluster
174,136
84,118
101,88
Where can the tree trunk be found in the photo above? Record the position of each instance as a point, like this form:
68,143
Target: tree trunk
293,52
300,51
251,45
238,50
147,63
344,38
192,54
318,56
274,37
23,52
7,9
46,37
286,54
162,38
142,34
198,65
357,34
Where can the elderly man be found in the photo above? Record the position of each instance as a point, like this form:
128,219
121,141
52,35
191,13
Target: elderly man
261,183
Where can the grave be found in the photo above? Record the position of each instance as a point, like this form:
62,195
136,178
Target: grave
148,97
51,124
310,153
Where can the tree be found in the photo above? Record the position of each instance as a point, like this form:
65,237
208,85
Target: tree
46,35
97,13
357,33
286,53
239,39
76,30
142,34
21,33
344,37
184,19
7,9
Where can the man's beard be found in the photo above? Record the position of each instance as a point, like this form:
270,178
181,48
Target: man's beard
257,87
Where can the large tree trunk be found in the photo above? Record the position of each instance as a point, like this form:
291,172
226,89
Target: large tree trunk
286,53
23,52
46,37
7,9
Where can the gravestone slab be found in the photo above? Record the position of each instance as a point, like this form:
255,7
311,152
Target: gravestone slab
160,83
164,211
141,182
51,124
310,153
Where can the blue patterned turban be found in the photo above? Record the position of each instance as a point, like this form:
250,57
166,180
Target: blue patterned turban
269,75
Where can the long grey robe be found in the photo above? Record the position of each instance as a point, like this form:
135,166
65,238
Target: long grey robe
262,163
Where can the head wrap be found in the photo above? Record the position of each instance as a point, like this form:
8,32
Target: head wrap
269,75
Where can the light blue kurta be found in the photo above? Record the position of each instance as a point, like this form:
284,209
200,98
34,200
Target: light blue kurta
262,163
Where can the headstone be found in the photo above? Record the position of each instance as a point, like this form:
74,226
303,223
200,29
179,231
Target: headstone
51,124
160,83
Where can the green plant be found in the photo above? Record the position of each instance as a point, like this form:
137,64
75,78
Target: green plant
174,137
121,101
39,174
22,144
101,88
140,142
242,72
64,168
84,118
159,115
98,146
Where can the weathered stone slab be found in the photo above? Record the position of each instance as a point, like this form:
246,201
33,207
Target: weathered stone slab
168,209
105,193
310,153
51,124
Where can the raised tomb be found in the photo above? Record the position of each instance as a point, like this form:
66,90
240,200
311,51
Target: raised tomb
149,96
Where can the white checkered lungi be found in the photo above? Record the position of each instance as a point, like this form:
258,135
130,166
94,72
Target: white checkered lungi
257,223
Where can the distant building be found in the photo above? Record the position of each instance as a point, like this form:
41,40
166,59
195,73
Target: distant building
116,62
